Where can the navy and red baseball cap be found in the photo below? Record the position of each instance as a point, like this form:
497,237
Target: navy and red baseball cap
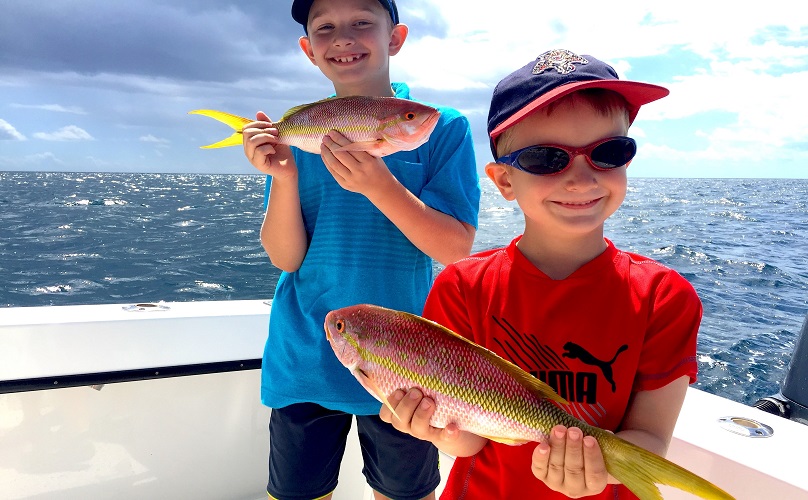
553,75
300,10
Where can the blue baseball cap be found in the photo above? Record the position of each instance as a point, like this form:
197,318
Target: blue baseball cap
300,10
553,75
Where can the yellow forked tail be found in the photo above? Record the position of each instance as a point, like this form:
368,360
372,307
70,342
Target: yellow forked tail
236,122
640,470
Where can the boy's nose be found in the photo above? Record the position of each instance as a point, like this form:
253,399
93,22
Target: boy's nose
581,173
343,37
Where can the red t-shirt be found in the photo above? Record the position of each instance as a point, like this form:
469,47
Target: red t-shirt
621,323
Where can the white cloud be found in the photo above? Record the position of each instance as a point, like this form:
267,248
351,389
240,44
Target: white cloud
58,108
742,70
97,162
36,160
155,140
736,74
68,133
9,133
46,157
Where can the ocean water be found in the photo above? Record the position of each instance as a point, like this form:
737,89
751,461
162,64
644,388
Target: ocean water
100,238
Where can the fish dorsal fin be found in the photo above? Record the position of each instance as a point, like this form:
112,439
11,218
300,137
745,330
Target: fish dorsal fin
302,107
527,380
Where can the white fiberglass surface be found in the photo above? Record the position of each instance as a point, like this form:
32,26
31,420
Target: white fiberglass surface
72,340
188,437
746,467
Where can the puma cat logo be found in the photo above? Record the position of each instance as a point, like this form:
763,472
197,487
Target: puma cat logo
574,351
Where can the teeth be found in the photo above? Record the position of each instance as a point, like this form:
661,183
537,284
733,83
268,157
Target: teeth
346,59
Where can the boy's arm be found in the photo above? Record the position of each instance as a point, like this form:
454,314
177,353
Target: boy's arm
652,415
283,234
440,236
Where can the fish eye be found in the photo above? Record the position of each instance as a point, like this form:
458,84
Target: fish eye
340,325
410,116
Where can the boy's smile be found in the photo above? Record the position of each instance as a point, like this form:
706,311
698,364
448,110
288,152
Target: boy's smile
347,59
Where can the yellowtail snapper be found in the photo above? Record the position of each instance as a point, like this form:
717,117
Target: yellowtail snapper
482,393
378,125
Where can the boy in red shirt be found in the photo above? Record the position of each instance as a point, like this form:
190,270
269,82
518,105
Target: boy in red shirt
612,332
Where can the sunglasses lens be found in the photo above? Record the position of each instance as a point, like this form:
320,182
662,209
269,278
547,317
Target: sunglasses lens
543,160
614,153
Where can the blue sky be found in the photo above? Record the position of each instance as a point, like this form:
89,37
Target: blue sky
89,85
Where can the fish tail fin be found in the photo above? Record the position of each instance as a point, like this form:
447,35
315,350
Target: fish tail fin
235,122
641,470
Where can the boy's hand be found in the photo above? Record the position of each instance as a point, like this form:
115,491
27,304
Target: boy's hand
356,171
570,463
262,149
414,412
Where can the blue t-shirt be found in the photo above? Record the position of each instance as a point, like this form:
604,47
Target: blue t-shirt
355,256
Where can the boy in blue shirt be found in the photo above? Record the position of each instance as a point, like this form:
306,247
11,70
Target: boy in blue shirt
348,228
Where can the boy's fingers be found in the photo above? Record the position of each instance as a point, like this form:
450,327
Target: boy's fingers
338,138
574,460
541,460
265,149
385,414
449,433
558,447
253,129
420,420
596,475
405,410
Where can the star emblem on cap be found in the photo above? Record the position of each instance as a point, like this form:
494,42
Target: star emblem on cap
559,59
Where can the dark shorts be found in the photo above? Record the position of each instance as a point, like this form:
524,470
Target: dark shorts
307,442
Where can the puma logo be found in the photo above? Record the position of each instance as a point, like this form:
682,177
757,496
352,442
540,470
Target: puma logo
574,351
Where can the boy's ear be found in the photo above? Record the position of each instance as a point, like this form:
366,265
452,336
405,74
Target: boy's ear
500,175
305,45
397,38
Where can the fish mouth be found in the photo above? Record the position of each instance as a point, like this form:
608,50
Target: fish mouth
328,326
430,122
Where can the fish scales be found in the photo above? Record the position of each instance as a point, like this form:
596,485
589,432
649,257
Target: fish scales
356,122
488,401
482,393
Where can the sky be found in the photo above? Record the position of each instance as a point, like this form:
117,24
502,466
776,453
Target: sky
92,85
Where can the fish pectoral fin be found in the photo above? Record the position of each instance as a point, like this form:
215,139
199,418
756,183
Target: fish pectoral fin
504,440
374,389
368,146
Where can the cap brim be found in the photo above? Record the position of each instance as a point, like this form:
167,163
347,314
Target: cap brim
635,93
